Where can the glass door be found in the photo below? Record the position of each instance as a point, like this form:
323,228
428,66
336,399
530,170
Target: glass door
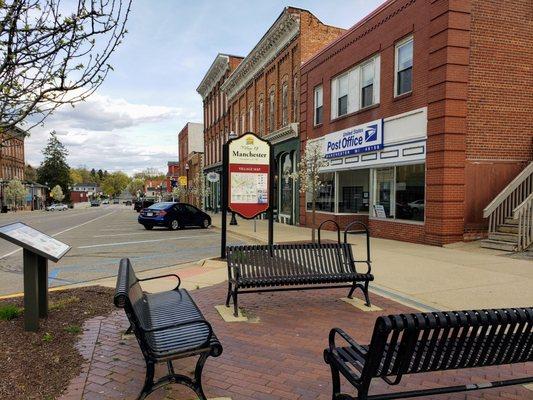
384,193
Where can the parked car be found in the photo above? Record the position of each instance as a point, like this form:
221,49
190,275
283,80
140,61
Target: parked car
95,203
127,202
144,203
57,207
105,201
173,216
116,201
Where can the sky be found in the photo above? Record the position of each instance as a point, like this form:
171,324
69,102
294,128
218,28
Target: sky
131,123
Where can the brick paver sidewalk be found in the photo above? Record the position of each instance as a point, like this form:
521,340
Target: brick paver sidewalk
280,357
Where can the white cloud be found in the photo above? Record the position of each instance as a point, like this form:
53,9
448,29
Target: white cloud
112,134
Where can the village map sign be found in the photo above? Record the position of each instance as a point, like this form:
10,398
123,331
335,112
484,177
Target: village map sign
249,175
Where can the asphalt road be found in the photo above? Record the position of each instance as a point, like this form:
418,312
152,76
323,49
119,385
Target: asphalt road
100,237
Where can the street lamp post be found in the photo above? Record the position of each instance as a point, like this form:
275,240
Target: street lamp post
187,167
232,135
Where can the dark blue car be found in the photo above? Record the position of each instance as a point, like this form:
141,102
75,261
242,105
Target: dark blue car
173,216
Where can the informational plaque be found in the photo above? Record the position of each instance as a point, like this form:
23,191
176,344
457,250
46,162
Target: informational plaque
249,175
34,240
380,211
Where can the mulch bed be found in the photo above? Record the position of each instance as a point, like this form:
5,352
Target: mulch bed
40,365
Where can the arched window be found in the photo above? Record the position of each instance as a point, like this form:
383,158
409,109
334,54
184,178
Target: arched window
295,98
271,111
251,118
284,104
261,117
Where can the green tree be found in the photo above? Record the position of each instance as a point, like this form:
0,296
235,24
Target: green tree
57,193
75,177
136,186
15,192
54,169
115,183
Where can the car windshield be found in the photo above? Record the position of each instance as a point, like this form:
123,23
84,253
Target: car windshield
160,206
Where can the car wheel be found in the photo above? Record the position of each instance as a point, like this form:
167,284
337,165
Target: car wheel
148,227
205,223
174,225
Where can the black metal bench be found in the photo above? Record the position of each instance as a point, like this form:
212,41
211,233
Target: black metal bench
264,268
426,342
168,326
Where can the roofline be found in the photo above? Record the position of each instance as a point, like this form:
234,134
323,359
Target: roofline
357,25
212,65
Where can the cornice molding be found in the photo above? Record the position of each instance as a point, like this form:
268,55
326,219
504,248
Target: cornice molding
289,131
281,33
213,75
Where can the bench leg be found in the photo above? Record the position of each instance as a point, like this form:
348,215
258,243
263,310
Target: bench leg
335,377
148,382
229,294
352,289
235,305
365,292
198,376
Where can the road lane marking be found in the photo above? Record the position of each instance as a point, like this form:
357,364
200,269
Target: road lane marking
120,234
142,241
59,233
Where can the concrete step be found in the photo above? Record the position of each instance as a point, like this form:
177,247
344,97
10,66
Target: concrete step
498,245
504,237
507,228
511,221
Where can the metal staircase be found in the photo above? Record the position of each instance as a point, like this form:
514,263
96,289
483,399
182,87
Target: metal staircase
510,215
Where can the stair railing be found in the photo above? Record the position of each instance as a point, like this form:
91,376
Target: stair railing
511,197
524,214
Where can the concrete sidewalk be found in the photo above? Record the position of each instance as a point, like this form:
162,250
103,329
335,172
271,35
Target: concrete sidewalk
460,276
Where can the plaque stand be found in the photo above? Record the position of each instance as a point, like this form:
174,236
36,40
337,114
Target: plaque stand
35,289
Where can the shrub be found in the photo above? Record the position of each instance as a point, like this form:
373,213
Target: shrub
9,312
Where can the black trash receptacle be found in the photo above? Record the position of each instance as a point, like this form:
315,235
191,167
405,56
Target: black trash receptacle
4,209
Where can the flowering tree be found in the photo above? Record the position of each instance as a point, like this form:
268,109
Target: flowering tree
197,188
179,193
308,177
57,193
15,192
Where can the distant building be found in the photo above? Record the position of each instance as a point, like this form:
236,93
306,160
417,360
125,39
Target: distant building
216,122
82,192
12,155
173,174
191,148
155,187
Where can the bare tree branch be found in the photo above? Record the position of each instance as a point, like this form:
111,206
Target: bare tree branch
54,52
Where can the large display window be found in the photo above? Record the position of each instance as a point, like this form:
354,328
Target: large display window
353,193
325,200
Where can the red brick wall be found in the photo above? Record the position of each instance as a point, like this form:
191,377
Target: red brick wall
285,68
499,140
183,148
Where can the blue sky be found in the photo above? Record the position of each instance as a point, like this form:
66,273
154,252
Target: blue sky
132,121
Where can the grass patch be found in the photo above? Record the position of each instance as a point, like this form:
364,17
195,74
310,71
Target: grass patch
73,329
62,303
9,312
47,337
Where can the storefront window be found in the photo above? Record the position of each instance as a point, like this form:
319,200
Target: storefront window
410,192
353,191
286,185
383,205
325,199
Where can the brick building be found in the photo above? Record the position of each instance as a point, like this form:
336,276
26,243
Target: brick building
173,173
262,94
423,110
191,148
12,155
216,122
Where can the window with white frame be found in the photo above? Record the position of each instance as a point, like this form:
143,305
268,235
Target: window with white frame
355,89
367,84
295,99
403,77
243,123
318,105
236,124
261,117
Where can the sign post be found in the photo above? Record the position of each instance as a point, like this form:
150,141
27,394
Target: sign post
38,248
247,181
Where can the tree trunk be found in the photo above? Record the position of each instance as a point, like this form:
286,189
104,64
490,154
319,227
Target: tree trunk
313,215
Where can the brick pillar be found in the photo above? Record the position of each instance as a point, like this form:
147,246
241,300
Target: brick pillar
447,98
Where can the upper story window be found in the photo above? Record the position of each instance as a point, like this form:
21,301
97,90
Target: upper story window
236,124
271,111
355,89
318,105
261,117
403,77
251,118
284,104
243,123
295,94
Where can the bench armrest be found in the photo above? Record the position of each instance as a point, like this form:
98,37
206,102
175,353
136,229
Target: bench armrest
346,337
163,276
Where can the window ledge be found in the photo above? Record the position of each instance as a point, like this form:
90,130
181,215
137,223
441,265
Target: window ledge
400,221
360,111
318,125
403,96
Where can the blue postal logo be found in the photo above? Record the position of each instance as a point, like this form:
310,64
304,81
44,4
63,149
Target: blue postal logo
371,133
